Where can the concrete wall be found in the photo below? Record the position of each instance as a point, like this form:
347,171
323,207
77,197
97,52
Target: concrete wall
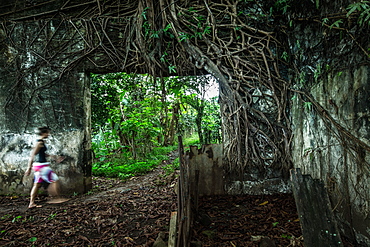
37,88
331,134
255,182
208,161
319,150
215,180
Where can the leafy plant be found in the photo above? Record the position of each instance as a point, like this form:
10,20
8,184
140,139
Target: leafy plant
172,68
302,79
285,56
282,5
33,239
307,106
6,216
336,23
286,236
15,219
183,37
363,8
52,216
325,21
317,72
144,13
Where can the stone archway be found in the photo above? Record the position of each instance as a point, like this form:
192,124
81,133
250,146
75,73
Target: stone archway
260,60
50,49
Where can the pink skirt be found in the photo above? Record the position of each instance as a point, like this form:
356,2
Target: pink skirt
43,173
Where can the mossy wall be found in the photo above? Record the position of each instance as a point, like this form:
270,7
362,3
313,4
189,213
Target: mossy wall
330,114
44,81
36,92
319,151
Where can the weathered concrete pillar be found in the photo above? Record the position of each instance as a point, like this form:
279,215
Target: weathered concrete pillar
38,88
337,158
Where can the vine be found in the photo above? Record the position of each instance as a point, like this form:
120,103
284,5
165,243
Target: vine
242,43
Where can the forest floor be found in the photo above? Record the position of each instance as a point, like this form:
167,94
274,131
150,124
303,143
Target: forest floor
136,211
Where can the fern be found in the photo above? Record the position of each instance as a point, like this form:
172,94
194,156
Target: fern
337,23
363,8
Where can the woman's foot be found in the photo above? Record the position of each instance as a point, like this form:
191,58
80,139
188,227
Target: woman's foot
34,206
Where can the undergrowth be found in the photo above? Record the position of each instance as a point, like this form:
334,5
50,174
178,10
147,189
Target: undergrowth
122,165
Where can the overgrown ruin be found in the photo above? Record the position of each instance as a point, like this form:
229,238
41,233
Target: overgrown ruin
294,84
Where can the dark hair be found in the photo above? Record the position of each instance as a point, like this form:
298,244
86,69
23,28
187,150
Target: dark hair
42,130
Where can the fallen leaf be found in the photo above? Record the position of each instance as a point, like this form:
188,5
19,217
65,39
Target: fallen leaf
263,203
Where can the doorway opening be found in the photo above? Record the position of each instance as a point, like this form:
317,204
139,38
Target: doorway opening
136,119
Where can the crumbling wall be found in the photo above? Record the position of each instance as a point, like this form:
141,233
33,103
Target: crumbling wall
319,151
213,178
330,114
206,172
36,92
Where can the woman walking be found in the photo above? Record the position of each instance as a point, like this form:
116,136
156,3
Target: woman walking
44,175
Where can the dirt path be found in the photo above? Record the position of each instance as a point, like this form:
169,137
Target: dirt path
116,213
135,212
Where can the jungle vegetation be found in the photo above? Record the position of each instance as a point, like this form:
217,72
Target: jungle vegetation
136,120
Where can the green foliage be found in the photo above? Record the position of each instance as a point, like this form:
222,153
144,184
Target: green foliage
286,236
144,14
15,219
52,216
171,167
318,71
206,113
325,21
285,56
307,106
302,79
183,36
123,166
336,23
339,73
363,9
282,5
6,216
172,68
136,117
33,239
122,171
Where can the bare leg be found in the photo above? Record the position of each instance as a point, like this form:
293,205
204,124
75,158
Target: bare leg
54,193
53,189
34,191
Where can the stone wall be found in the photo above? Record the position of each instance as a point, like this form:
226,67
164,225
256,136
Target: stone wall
215,180
330,120
43,81
38,88
15,151
319,150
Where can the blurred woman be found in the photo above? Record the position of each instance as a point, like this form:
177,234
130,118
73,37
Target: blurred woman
44,175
